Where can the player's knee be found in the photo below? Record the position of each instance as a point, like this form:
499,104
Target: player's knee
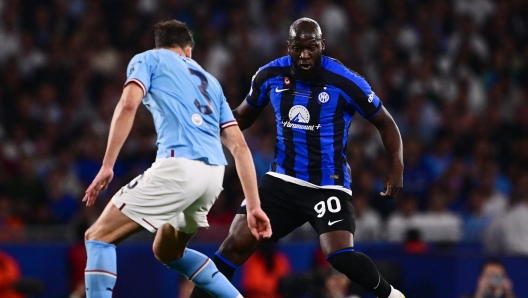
166,256
233,246
90,233
238,249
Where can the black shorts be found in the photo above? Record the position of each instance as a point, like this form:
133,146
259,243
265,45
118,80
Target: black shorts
289,206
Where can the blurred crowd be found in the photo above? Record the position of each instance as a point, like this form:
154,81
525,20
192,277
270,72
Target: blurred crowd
450,73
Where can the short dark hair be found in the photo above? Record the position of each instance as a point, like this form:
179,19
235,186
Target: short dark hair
171,34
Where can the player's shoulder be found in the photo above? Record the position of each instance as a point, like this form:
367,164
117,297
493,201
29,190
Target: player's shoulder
146,55
277,67
143,57
284,61
336,72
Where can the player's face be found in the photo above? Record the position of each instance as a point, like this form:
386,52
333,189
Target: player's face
306,53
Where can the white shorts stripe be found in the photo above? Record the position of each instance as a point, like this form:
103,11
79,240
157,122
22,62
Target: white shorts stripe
308,184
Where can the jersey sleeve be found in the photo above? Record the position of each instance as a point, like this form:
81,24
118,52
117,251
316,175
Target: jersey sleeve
258,94
139,72
361,96
226,115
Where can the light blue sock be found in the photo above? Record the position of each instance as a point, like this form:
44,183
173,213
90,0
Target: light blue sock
203,272
101,269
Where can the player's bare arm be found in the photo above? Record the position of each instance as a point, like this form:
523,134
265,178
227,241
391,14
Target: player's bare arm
122,122
258,222
246,114
390,135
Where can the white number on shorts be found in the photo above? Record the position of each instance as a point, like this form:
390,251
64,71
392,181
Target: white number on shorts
338,204
320,207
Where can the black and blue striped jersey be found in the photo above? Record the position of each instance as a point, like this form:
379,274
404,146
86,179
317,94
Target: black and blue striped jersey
313,117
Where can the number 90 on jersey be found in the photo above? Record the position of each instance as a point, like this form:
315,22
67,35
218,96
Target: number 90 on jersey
332,205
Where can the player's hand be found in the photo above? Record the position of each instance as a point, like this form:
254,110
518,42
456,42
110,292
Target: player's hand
393,183
258,223
100,182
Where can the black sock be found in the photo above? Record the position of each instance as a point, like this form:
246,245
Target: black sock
224,266
360,269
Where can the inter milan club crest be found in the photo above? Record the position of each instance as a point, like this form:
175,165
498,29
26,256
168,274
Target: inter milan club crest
286,81
323,97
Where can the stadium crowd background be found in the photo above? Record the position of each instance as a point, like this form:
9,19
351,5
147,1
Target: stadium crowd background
452,74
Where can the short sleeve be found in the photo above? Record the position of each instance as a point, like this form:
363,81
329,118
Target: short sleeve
258,95
139,72
362,97
226,115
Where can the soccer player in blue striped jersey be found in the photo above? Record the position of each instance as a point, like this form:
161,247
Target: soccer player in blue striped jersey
173,197
314,98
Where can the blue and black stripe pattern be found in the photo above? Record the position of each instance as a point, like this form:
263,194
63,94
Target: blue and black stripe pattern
313,117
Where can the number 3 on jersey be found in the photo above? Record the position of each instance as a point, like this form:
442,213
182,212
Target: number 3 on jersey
321,207
204,109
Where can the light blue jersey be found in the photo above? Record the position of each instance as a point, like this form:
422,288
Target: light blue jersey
187,104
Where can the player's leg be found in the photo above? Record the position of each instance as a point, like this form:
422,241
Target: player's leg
111,228
331,215
338,247
170,248
240,244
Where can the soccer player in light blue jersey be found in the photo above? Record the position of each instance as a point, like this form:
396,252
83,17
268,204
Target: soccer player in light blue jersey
173,197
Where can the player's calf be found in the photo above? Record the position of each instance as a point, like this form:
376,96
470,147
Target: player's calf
360,269
101,270
202,272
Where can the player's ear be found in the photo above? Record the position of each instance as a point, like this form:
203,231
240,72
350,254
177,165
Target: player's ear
322,44
188,52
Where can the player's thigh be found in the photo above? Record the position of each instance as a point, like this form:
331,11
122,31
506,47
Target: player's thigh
206,181
332,216
280,202
335,240
240,244
112,226
169,243
158,195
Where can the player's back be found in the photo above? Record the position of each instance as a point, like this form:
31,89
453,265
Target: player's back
186,102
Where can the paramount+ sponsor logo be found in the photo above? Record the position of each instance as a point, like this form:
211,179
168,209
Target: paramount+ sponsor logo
299,118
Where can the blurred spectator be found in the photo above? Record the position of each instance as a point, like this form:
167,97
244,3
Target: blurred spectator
11,225
77,261
9,276
451,73
262,272
495,202
368,221
493,282
416,175
405,218
475,220
63,205
439,224
337,285
509,233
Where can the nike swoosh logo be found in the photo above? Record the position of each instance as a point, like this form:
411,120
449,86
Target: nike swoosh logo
215,274
280,90
333,222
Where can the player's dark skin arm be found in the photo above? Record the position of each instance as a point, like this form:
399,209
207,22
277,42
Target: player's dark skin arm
390,135
246,115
